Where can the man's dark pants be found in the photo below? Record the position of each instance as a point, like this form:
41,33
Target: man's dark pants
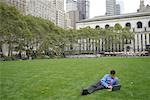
93,88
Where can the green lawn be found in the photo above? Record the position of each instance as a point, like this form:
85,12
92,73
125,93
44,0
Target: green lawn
63,79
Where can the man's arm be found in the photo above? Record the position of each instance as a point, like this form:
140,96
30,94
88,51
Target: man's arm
103,81
116,81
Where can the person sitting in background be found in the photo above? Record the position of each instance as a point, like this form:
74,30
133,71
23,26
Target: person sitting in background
107,82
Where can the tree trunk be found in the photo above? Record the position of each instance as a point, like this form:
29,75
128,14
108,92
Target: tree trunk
1,50
10,49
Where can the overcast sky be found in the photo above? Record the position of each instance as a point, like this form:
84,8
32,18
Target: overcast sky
98,7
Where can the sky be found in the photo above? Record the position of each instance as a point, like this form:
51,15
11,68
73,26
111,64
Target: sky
98,7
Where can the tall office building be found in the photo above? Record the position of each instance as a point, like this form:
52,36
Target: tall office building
71,5
41,8
110,7
72,12
118,9
60,12
58,3
83,7
52,10
67,22
19,4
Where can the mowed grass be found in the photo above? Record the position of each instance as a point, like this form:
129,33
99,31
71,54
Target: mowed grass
63,79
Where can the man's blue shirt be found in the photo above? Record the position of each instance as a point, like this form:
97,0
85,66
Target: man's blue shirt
107,80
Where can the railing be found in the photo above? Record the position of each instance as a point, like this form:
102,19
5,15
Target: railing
144,29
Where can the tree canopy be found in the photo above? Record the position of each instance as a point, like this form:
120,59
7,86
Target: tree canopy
39,36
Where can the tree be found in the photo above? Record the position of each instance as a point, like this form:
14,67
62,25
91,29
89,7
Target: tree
38,36
11,26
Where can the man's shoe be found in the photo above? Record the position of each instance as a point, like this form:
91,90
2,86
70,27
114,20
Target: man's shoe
84,92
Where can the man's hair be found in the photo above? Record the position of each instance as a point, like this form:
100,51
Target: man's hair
113,72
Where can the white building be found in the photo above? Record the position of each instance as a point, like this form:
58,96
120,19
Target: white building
139,23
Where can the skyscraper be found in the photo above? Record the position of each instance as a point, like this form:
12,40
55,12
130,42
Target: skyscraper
110,7
58,3
52,10
72,12
60,12
43,9
71,5
19,4
83,7
118,9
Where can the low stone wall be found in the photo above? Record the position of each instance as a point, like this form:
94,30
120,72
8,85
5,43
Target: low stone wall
82,56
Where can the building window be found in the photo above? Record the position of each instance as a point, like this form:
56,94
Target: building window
106,26
149,24
97,26
128,25
139,24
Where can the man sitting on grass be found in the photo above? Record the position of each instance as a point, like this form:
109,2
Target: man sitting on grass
109,81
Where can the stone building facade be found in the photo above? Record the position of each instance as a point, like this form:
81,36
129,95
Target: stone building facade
139,23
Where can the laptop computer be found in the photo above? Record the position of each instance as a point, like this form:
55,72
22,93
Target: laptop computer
116,87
